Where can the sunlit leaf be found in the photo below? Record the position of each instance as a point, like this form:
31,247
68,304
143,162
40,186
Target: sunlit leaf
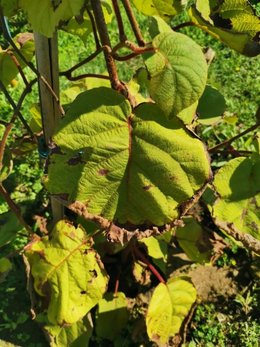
7,165
230,21
188,114
112,309
163,8
67,272
129,167
211,106
177,78
8,68
169,305
45,15
158,26
35,123
238,186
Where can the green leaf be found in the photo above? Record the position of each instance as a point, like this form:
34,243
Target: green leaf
7,165
163,8
141,273
238,186
211,106
9,227
45,15
169,305
133,168
5,267
158,26
67,272
82,27
8,68
177,78
111,310
9,7
157,249
75,335
232,22
188,114
36,120
193,240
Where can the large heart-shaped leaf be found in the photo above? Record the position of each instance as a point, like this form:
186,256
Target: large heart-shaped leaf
67,272
129,167
169,305
45,15
177,72
238,186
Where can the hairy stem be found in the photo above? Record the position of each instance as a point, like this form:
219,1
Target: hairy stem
94,28
141,256
106,44
183,25
133,22
122,35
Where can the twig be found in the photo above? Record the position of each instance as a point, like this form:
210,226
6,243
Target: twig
122,35
88,75
14,59
29,64
133,22
246,239
232,139
106,44
183,25
94,28
14,208
17,107
141,256
68,72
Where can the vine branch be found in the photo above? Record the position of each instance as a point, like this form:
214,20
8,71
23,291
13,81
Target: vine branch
133,22
122,35
232,139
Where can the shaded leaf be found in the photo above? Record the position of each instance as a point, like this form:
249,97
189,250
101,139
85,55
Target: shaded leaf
188,114
111,310
5,267
141,273
9,7
158,26
238,186
9,227
130,167
169,305
8,68
36,120
193,240
211,106
177,78
67,272
82,27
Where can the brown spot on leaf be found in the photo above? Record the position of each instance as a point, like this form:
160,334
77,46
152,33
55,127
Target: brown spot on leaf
83,292
56,150
93,273
103,172
148,187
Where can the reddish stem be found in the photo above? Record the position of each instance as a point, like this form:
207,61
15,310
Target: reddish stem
122,35
141,256
133,22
